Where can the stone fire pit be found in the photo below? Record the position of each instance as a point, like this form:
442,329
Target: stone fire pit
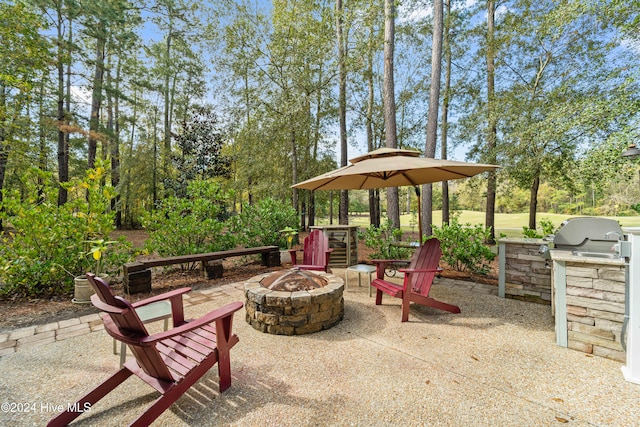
294,302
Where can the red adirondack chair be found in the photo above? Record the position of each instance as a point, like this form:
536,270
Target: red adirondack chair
170,361
316,252
418,278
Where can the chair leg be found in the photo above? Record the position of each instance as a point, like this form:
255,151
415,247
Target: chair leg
444,306
87,402
154,411
224,369
430,302
406,304
123,353
173,393
378,297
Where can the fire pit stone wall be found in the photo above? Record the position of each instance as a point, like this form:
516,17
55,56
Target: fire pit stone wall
297,312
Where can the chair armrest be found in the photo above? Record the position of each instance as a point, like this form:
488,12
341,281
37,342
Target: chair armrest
419,270
208,318
387,261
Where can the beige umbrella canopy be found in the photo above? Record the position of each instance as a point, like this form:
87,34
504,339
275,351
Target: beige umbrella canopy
390,167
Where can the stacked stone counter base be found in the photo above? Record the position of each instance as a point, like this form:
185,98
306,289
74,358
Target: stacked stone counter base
595,309
524,273
294,313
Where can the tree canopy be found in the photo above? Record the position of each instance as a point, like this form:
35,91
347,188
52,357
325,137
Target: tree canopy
261,95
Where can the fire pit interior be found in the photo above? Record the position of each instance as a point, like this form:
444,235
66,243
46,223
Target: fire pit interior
294,302
293,280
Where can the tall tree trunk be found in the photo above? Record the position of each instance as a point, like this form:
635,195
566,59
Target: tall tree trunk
391,141
343,213
330,207
4,147
115,149
63,139
68,114
492,126
316,141
312,209
445,110
106,142
533,201
154,184
42,137
294,169
96,99
166,150
432,117
126,175
374,195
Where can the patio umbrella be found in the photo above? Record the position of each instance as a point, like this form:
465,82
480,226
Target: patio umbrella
390,167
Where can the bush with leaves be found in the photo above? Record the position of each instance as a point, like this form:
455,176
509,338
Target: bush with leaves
530,233
547,229
261,224
381,240
191,224
463,247
50,244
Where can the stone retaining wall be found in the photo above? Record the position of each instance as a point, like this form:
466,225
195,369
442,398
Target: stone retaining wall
595,308
526,275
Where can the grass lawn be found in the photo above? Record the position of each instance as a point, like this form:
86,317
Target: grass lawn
508,224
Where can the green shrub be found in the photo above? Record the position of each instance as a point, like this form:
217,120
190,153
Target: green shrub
262,224
190,225
547,228
463,247
530,233
381,239
51,243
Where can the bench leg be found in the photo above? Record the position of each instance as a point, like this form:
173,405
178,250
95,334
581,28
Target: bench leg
212,269
137,282
271,259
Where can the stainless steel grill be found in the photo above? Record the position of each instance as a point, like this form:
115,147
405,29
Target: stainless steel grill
586,236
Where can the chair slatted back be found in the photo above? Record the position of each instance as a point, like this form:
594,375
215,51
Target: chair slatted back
125,324
427,257
315,248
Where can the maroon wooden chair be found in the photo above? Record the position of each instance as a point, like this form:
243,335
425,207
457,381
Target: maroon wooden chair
418,278
170,361
315,254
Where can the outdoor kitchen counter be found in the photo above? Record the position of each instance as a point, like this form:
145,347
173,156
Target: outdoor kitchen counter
523,274
588,299
569,256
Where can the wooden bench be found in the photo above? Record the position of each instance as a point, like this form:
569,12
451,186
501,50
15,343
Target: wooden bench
137,275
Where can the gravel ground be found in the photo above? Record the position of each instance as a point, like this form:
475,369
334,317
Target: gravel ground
495,364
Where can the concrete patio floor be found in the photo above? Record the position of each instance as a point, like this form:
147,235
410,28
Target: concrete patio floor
494,364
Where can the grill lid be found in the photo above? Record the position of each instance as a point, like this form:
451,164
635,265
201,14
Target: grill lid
587,234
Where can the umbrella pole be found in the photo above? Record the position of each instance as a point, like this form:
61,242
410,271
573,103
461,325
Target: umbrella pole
419,215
